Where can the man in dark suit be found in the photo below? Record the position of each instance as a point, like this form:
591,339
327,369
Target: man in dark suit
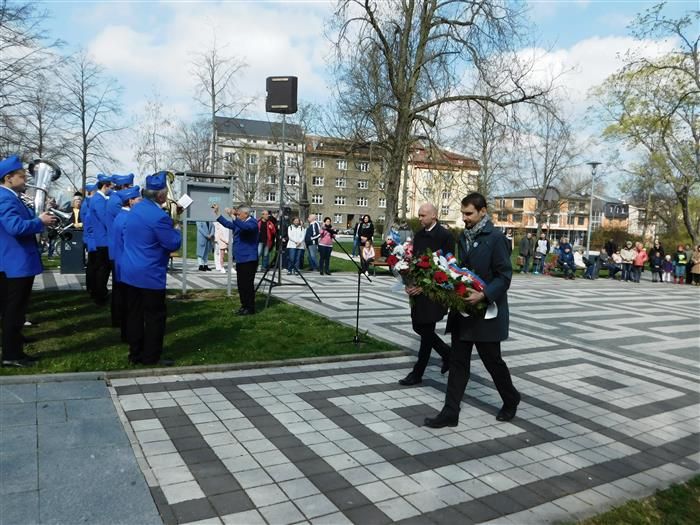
424,312
485,251
19,259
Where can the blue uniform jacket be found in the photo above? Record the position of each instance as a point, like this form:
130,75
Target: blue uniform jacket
87,224
116,242
148,239
112,209
99,220
19,254
245,244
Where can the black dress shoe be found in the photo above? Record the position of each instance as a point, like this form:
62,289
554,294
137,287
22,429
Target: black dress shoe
410,380
166,362
28,357
245,311
441,421
506,413
445,366
17,363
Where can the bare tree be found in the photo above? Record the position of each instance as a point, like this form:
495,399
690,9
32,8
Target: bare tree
189,146
91,105
401,62
153,134
542,159
216,76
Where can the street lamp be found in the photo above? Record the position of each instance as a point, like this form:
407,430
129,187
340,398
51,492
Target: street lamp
594,166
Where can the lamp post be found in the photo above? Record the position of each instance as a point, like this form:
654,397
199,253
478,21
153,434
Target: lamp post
594,166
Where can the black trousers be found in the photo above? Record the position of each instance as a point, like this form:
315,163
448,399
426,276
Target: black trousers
14,309
245,280
90,271
428,340
145,325
460,361
103,267
119,307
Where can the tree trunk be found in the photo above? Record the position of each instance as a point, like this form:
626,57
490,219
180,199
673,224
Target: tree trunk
683,200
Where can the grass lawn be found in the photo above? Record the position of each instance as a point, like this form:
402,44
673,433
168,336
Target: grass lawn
677,505
75,336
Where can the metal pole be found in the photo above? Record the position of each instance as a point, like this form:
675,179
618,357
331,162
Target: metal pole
594,165
184,240
230,242
280,249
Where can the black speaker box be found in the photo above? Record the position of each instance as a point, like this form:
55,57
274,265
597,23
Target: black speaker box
281,95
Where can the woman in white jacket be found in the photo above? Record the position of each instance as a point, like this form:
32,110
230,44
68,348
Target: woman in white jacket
220,246
295,245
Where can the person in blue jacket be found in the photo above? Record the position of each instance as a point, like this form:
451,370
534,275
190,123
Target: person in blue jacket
486,251
100,237
566,261
90,190
112,209
245,246
129,197
19,259
148,239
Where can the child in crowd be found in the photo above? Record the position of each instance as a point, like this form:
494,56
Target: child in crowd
667,267
680,259
367,256
656,263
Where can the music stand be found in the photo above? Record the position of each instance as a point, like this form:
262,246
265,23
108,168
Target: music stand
356,338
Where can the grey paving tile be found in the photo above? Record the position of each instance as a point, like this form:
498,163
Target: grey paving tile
90,408
20,439
266,495
51,412
20,393
281,514
315,505
18,473
193,510
17,414
231,502
60,391
82,433
21,508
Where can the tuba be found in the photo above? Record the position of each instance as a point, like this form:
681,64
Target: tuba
171,207
44,173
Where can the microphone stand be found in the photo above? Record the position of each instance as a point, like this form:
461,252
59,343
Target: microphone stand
356,339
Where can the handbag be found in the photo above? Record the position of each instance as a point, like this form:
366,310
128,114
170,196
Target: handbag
520,260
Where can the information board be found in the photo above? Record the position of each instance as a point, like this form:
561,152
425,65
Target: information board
204,195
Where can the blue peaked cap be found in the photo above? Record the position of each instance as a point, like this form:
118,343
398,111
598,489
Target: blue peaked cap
10,164
129,193
121,180
157,181
91,187
101,177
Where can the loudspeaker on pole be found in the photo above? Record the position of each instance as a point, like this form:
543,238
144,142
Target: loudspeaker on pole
281,95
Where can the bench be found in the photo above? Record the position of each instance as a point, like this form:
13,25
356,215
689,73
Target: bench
379,261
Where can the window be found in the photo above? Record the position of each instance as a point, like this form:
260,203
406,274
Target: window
502,203
229,156
337,218
249,196
446,195
502,216
270,196
382,185
319,216
581,220
363,166
317,198
292,162
444,211
271,178
292,179
319,163
517,217
271,160
518,204
317,181
569,219
363,184
341,182
252,158
362,201
382,202
340,200
341,165
581,207
381,219
250,177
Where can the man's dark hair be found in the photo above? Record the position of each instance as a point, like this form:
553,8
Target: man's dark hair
101,185
475,199
326,219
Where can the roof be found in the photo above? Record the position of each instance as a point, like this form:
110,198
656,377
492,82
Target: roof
428,157
552,194
339,147
256,129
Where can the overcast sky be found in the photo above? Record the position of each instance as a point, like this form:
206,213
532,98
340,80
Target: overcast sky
148,46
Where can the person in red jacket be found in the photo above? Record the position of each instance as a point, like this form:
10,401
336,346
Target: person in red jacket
266,238
640,257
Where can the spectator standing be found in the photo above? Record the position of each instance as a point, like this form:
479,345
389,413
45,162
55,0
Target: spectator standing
541,251
680,261
667,267
205,238
640,257
295,245
610,247
325,246
628,253
356,247
313,232
689,265
366,229
656,266
266,238
695,269
526,250
656,248
221,238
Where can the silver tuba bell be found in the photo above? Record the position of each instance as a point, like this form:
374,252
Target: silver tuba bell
44,173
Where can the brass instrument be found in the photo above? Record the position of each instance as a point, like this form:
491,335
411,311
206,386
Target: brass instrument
44,173
172,208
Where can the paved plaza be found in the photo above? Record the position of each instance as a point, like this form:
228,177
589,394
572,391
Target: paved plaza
610,384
